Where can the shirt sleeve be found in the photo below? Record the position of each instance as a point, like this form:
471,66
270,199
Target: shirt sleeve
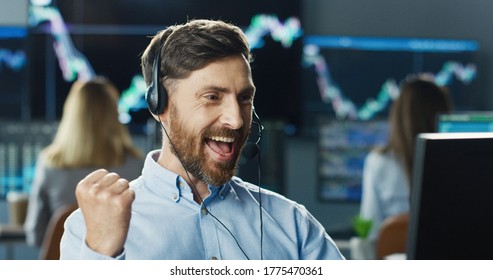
315,243
73,245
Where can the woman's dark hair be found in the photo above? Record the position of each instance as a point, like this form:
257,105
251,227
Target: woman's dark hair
415,111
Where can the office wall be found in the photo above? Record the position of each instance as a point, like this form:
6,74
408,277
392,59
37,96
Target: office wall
13,12
447,19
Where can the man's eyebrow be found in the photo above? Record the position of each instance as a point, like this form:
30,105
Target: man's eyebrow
247,89
212,88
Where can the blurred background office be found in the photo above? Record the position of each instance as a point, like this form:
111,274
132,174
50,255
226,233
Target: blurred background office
326,72
388,169
89,137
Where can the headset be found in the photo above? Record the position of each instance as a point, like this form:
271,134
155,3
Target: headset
157,99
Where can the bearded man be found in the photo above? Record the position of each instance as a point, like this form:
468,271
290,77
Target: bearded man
187,204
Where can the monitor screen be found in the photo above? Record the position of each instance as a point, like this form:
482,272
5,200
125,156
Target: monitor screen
358,77
466,122
452,197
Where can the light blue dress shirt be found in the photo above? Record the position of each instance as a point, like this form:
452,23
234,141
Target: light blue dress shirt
167,223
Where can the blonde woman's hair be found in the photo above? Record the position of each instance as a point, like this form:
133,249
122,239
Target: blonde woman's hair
90,134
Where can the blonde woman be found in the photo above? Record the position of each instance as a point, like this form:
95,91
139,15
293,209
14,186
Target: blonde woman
89,137
388,170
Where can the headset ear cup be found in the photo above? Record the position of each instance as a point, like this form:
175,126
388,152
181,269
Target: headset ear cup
151,98
156,95
156,98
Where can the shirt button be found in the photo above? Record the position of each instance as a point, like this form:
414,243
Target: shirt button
214,258
174,196
204,211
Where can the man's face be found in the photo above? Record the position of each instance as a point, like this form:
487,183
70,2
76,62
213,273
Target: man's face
210,116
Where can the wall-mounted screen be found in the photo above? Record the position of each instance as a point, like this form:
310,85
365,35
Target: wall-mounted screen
350,82
107,38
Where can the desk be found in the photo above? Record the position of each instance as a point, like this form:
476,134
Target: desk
9,235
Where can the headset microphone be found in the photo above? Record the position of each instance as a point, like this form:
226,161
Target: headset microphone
251,149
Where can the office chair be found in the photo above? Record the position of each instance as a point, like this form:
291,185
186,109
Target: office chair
50,248
392,237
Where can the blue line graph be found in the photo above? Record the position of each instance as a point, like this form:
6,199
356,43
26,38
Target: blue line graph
345,108
269,25
74,65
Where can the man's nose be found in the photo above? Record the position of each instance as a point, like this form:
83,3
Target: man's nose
231,115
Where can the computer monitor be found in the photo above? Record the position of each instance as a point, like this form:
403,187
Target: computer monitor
466,122
452,197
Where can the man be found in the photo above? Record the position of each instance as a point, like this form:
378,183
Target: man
187,204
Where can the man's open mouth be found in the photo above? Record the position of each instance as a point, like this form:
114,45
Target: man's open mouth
220,145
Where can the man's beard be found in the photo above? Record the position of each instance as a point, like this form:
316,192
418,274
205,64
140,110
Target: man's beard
189,149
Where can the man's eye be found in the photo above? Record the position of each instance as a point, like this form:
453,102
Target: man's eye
212,97
245,98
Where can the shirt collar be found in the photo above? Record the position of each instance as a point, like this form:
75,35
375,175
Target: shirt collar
166,183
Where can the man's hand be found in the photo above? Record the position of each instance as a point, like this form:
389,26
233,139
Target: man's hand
106,203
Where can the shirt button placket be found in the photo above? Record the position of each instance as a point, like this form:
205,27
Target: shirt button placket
209,234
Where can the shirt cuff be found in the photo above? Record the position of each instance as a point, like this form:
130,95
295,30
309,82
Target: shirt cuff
88,254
